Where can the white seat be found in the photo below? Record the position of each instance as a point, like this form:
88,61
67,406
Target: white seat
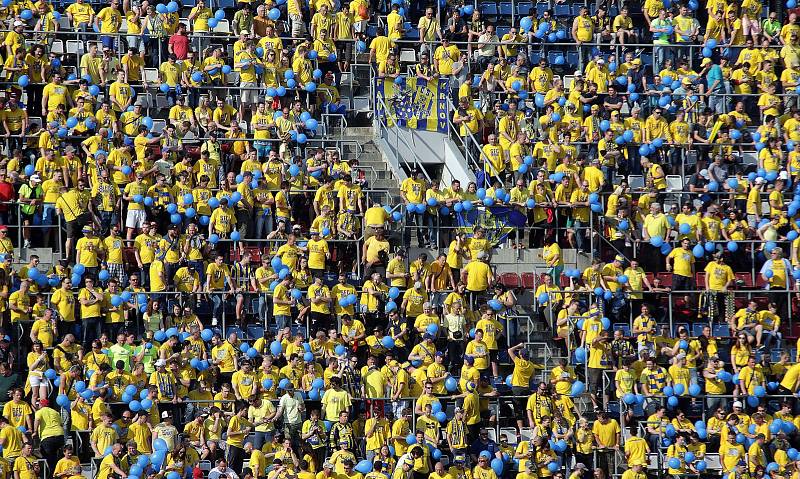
204,466
652,460
445,460
635,181
223,26
146,99
123,27
674,183
151,75
74,46
568,81
713,462
408,55
492,433
57,47
511,434
233,78
161,102
158,126
35,119
526,433
63,23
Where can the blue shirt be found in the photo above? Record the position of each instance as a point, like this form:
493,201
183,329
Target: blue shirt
714,75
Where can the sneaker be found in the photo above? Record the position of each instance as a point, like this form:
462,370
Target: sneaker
213,321
26,244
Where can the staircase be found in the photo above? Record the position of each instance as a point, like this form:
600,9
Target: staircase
360,150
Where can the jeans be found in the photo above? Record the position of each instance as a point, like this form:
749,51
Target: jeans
92,328
107,218
660,55
260,438
416,220
432,223
262,308
134,41
579,232
217,304
282,320
608,174
716,103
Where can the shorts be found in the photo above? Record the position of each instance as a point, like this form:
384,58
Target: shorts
750,26
249,92
135,219
35,380
74,228
595,379
492,356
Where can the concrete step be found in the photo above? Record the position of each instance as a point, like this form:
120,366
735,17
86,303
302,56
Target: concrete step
367,132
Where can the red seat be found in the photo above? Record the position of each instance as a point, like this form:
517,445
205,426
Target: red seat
529,280
760,281
666,279
255,253
745,278
761,301
740,303
650,277
700,279
564,281
510,280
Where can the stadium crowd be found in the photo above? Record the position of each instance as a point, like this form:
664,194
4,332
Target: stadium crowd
230,299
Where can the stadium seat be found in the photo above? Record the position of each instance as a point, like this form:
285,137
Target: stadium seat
408,55
234,329
636,182
526,433
57,47
720,331
528,281
561,10
255,331
541,8
666,279
151,75
523,9
223,26
552,55
700,279
510,280
745,278
674,183
775,355
505,9
511,434
572,59
697,328
678,326
624,327
489,10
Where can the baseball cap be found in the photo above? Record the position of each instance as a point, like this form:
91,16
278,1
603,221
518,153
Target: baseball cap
44,402
737,404
580,465
459,459
160,363
327,464
619,257
18,23
759,181
36,178
705,62
165,415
